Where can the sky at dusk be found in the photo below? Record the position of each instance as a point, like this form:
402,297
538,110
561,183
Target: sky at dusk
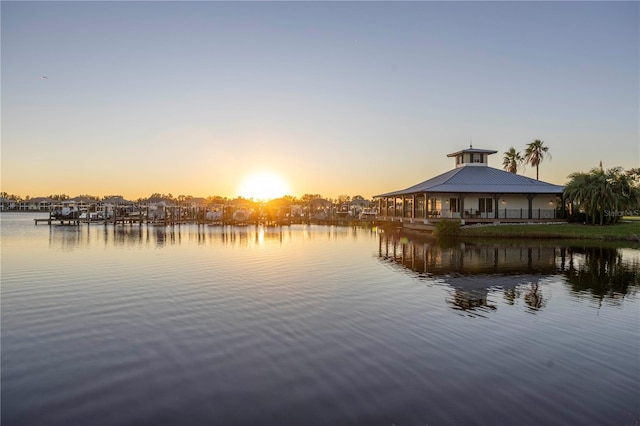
192,98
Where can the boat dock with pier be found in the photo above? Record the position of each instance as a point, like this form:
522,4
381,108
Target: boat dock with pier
168,216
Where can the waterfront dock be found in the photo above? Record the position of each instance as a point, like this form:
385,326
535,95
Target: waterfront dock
170,216
53,220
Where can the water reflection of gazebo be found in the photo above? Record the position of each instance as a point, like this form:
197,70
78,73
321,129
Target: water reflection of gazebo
472,270
429,258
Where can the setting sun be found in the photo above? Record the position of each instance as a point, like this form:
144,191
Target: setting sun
263,186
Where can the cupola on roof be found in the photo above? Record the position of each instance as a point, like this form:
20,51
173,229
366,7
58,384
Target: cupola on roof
472,156
472,150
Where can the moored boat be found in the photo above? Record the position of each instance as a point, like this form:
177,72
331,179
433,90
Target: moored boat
66,213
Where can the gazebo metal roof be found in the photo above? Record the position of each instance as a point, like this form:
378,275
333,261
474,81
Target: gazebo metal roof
480,180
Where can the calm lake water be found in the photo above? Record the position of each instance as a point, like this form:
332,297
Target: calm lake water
312,325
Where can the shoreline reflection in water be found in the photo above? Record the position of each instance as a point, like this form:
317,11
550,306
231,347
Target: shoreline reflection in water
515,269
68,238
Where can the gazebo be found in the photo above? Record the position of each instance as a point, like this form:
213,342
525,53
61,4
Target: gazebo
474,193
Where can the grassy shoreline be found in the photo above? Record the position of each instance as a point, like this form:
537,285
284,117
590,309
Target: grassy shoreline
627,230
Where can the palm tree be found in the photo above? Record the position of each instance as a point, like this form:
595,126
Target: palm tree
535,153
577,191
512,160
604,196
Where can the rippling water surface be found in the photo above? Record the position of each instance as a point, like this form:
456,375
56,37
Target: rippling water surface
311,325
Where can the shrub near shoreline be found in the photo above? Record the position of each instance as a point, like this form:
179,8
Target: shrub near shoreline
448,228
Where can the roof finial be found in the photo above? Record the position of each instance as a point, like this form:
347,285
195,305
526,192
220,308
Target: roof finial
470,144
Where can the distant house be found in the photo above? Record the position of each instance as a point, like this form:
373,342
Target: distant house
319,204
81,203
7,204
474,193
115,204
360,203
158,201
319,208
117,201
195,202
43,204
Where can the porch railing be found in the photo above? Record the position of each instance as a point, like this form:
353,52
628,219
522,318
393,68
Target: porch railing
504,213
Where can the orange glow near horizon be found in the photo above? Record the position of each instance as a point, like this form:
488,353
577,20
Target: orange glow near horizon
263,186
